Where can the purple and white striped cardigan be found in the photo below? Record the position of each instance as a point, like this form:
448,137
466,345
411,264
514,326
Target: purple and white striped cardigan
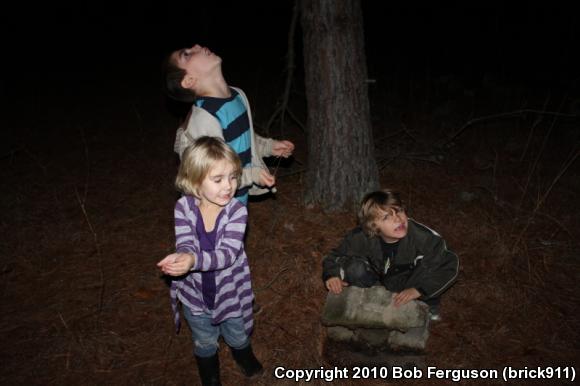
234,293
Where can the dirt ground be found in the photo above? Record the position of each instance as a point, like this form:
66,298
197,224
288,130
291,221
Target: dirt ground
86,212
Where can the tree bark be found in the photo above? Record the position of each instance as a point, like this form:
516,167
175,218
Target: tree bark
341,163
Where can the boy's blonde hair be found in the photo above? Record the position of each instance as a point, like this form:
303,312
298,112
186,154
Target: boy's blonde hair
199,158
372,203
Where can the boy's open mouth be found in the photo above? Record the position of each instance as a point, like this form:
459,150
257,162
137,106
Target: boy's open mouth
400,228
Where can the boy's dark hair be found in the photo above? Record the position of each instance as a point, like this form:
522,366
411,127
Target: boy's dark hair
172,77
372,202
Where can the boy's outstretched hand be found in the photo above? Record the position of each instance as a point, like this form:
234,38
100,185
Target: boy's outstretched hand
176,264
282,148
405,296
266,179
334,285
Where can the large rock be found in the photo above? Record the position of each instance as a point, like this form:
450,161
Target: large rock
364,327
372,308
414,339
380,339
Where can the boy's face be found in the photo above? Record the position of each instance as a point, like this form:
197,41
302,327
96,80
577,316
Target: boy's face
198,62
392,224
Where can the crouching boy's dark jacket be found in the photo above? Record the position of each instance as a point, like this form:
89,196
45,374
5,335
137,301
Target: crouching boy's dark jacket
422,260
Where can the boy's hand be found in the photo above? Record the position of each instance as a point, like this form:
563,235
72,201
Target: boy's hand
266,179
405,296
282,148
176,264
334,285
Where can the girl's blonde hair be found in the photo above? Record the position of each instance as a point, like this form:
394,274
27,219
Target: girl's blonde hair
371,205
199,158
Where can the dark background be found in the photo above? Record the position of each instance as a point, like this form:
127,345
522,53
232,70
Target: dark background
87,170
421,58
67,43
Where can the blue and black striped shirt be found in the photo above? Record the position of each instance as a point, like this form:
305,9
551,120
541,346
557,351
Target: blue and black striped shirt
233,117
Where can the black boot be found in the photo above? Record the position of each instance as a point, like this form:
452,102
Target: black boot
209,370
247,362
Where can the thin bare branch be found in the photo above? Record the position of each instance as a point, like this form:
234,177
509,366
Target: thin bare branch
504,115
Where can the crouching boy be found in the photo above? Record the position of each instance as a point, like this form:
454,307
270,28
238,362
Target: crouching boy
388,248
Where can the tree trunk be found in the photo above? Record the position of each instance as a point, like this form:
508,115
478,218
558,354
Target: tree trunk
341,163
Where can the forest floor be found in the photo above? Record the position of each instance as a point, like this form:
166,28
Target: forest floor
86,212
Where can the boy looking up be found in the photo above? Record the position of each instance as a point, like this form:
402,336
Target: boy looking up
195,75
